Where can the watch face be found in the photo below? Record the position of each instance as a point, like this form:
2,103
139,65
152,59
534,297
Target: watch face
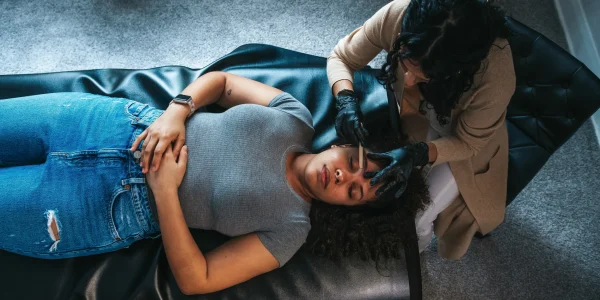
183,98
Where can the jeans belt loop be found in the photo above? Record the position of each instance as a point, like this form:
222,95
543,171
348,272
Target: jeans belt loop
127,181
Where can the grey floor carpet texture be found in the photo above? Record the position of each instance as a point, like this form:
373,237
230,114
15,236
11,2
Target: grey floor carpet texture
547,247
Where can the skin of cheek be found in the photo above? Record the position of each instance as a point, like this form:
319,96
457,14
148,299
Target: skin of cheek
331,159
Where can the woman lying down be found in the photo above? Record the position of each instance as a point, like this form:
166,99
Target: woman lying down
74,169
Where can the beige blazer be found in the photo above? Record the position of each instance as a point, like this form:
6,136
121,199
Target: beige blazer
475,142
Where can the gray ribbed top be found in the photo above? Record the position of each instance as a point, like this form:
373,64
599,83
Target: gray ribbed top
235,181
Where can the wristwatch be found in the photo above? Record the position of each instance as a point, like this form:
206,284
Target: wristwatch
186,100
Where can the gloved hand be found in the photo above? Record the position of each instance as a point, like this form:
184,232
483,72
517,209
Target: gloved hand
400,163
348,120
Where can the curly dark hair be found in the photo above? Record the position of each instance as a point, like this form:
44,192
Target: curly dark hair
449,39
368,232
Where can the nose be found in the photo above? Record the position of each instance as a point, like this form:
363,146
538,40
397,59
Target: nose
410,79
342,176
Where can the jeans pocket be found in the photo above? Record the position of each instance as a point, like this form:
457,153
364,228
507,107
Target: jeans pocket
95,208
134,108
123,219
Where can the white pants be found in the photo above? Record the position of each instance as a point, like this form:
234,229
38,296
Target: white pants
443,190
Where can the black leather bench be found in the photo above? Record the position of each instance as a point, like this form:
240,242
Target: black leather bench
555,94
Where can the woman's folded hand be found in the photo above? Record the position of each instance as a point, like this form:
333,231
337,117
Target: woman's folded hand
170,174
169,128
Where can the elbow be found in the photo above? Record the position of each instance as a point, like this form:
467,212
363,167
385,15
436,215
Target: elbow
187,291
190,289
334,61
192,283
339,61
186,286
190,292
333,57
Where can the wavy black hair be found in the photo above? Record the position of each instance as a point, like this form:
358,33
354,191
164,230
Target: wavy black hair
449,39
368,232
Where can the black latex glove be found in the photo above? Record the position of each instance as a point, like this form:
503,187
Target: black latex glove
348,120
400,163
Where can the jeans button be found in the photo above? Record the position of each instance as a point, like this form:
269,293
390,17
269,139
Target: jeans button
127,187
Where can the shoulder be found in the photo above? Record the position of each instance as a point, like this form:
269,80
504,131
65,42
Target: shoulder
286,103
386,24
500,57
497,74
392,12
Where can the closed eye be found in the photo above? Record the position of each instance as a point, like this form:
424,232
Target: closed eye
351,189
352,186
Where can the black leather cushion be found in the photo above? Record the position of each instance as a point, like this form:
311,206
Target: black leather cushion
142,271
555,94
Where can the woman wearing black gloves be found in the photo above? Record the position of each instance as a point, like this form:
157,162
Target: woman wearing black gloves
450,67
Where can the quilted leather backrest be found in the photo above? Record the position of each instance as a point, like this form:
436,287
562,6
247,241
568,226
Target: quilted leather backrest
555,94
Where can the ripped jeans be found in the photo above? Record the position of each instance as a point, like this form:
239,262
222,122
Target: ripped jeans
69,186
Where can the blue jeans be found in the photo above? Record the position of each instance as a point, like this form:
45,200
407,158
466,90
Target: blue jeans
69,185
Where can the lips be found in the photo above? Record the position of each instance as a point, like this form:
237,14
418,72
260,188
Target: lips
324,177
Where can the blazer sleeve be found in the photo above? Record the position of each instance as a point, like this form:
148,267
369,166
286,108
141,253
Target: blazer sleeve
486,112
357,49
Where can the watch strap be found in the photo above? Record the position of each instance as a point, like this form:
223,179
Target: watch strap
185,99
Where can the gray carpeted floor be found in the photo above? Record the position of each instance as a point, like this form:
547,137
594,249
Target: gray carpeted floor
544,250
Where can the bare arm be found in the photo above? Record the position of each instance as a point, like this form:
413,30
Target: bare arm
359,47
223,88
234,262
227,90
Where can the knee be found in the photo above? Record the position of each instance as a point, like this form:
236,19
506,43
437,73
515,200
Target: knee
456,240
452,251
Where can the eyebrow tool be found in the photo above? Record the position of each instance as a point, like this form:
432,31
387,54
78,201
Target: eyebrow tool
361,155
